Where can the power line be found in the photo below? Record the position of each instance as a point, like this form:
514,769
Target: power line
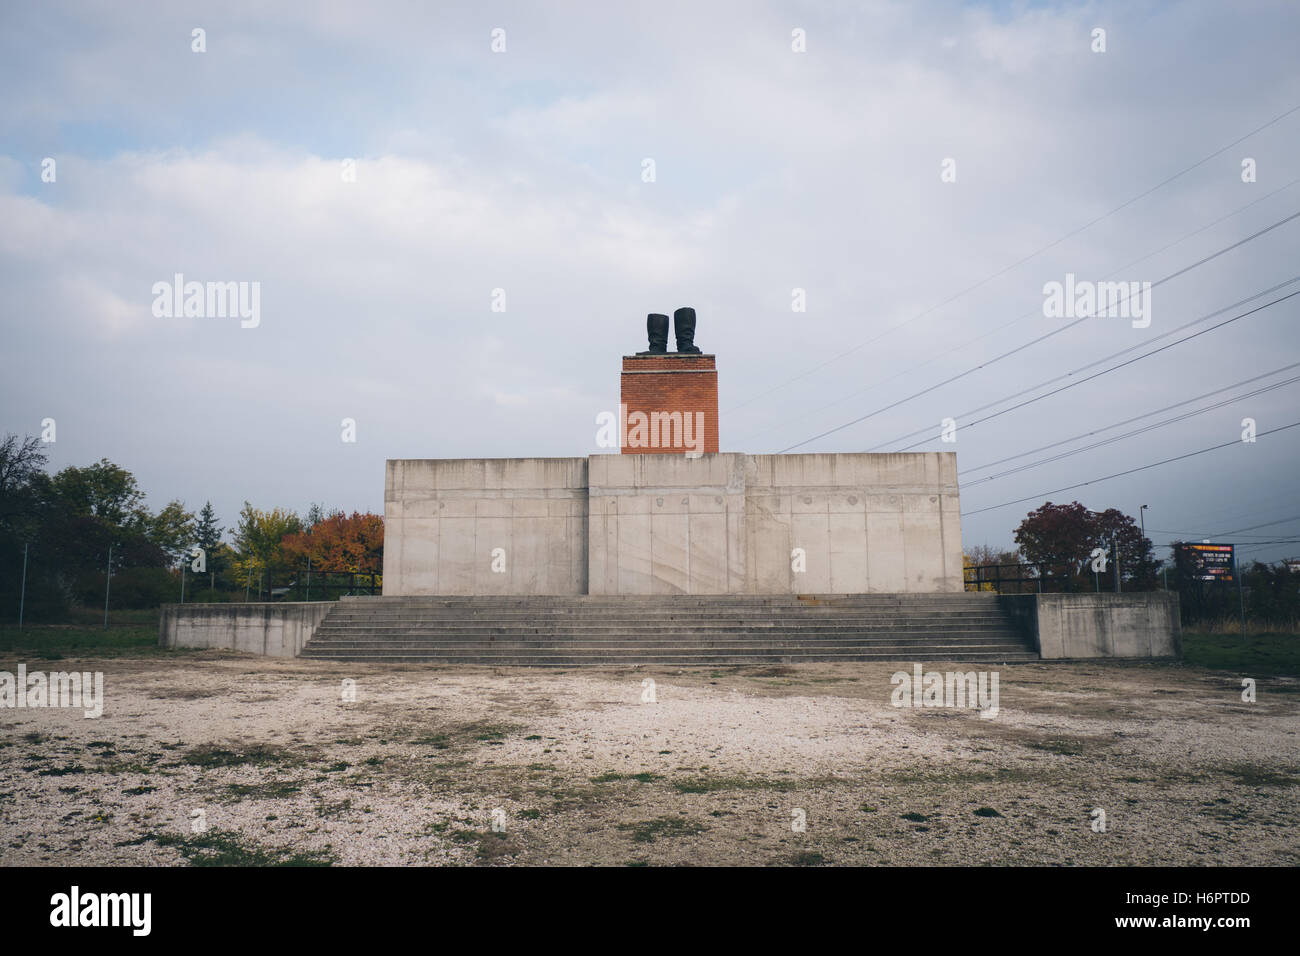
1113,368
1237,515
1019,262
1037,311
1264,525
1136,431
1041,338
1130,471
1135,418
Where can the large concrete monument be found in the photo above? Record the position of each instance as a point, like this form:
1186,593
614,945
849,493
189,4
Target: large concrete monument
570,562
671,514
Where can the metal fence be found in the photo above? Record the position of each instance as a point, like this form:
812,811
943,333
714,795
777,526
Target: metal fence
328,585
1021,578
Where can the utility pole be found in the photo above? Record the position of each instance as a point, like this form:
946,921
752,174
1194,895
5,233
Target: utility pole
182,581
108,580
1114,547
1241,595
1143,523
22,595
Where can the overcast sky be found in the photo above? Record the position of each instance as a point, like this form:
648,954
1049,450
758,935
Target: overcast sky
774,170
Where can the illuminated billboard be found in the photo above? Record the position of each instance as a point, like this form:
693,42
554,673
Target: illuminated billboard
1210,562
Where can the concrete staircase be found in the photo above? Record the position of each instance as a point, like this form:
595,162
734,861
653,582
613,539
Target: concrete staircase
669,630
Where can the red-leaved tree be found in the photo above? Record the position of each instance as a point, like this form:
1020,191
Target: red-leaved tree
340,542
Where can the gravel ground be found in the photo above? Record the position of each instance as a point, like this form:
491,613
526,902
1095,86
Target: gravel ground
212,757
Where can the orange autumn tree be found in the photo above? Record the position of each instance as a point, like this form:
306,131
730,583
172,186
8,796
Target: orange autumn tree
339,542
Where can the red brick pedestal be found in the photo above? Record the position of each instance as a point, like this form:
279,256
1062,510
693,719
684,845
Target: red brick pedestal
669,404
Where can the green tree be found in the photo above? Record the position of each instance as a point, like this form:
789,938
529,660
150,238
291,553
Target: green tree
172,529
207,534
258,536
103,491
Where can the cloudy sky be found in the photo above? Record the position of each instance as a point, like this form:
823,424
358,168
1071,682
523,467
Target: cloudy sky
774,170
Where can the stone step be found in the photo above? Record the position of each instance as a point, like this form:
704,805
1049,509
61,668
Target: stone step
638,612
634,639
556,631
689,660
677,601
674,627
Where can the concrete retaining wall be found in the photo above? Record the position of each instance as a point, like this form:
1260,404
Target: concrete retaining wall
443,518
667,524
1144,624
275,630
730,524
672,524
866,523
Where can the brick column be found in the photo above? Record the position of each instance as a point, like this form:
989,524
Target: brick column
669,404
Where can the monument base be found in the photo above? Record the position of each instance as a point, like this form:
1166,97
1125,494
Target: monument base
672,524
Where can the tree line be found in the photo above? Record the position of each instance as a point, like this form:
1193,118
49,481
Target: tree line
1058,549
72,533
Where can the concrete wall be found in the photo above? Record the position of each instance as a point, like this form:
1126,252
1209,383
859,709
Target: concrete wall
443,518
667,524
275,630
729,524
865,522
673,524
1143,624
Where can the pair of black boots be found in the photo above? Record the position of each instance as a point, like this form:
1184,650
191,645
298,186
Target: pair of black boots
656,326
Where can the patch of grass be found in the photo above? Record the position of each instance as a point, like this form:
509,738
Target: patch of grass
987,812
258,755
807,858
492,733
334,809
61,771
638,777
54,642
137,791
913,816
494,846
461,735
1066,748
1257,654
649,831
226,848
1252,775
716,784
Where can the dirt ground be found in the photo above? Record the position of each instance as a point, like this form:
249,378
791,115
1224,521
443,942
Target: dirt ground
212,757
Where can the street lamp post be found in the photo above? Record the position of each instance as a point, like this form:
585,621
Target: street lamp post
108,580
1143,523
22,595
